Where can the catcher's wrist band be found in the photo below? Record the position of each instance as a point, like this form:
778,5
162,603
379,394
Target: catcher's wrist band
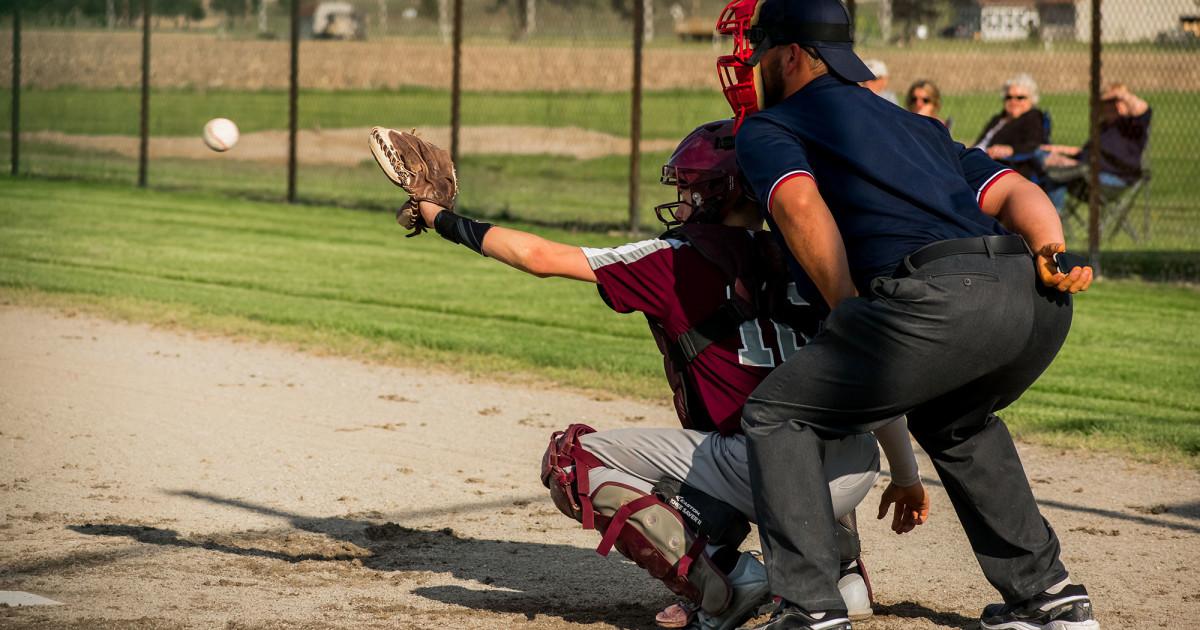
461,230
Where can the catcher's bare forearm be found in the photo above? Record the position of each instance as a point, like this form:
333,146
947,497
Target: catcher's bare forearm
537,256
520,250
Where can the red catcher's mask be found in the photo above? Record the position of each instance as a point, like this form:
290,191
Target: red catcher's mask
738,76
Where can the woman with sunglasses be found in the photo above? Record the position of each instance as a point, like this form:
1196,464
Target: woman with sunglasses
1015,133
924,98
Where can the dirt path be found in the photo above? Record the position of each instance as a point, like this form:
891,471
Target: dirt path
348,146
154,479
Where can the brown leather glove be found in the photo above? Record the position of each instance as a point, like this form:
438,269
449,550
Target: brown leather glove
423,170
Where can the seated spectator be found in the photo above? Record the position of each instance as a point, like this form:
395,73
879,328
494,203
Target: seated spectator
1013,135
924,98
1124,130
878,85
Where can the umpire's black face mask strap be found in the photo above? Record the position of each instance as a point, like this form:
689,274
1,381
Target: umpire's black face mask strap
760,47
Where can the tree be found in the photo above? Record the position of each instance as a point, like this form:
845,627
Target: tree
234,8
910,14
191,9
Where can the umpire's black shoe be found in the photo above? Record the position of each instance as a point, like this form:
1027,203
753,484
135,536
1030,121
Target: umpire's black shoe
789,617
1068,609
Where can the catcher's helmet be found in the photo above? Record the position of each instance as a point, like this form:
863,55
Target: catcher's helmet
704,171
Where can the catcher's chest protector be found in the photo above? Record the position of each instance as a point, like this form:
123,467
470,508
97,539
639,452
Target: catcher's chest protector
640,526
758,281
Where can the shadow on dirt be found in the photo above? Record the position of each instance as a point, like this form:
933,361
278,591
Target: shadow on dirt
1140,514
502,568
911,610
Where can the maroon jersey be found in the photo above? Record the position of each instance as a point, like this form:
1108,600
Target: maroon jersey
677,288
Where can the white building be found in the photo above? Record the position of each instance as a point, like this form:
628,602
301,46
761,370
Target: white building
1122,20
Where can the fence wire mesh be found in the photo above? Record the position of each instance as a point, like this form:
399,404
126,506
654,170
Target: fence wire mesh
545,107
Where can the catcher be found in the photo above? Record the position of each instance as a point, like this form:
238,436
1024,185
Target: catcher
678,501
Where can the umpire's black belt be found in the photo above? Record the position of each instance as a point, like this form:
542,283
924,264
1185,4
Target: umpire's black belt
987,245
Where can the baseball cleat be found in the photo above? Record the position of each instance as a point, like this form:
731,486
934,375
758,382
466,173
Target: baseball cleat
789,617
676,616
1069,608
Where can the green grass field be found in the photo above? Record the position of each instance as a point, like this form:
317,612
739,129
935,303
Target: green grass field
542,188
347,282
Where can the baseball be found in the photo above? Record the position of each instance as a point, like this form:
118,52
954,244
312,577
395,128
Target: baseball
220,134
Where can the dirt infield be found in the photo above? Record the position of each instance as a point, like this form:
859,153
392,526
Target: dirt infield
347,147
104,60
157,479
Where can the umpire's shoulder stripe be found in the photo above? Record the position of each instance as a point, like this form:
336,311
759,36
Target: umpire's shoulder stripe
988,184
783,178
627,254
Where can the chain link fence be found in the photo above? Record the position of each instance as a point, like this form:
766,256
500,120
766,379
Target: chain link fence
545,108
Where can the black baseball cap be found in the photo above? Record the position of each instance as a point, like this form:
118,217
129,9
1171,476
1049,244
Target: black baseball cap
821,24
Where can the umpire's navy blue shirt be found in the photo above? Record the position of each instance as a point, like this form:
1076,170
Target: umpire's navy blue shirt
894,181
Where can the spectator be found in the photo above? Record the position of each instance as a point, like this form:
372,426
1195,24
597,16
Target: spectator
878,85
1124,130
924,98
1013,135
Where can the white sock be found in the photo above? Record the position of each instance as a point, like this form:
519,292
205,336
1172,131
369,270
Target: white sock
1057,588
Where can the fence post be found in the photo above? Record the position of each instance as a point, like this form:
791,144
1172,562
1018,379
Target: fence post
293,97
16,87
144,132
1094,153
635,130
456,82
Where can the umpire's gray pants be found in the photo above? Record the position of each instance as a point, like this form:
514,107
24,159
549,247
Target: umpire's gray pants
961,338
717,465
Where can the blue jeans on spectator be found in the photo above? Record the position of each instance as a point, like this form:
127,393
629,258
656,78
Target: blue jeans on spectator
1057,190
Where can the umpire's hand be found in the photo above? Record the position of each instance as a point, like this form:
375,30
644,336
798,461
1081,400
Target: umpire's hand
1078,280
912,506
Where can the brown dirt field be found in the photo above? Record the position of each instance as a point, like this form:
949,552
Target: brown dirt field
104,60
348,146
151,478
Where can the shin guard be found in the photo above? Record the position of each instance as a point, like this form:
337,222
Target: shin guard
640,526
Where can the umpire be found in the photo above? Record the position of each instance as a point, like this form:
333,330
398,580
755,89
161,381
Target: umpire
946,305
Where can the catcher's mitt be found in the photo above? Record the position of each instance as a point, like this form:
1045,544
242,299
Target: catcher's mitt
423,170
409,217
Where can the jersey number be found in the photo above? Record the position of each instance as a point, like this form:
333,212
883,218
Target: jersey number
754,351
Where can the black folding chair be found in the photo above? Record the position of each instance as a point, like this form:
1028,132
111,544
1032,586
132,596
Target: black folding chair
1116,204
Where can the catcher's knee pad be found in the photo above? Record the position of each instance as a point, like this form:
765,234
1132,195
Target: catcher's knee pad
565,471
643,527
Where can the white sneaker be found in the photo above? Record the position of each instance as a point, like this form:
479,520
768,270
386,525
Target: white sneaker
750,590
856,592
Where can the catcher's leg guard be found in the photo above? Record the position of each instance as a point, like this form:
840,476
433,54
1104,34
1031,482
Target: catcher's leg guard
652,534
640,525
853,583
849,545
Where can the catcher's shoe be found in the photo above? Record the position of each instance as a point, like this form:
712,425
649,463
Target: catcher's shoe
676,615
856,591
1068,608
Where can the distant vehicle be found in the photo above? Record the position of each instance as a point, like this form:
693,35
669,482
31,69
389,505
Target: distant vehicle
331,20
698,28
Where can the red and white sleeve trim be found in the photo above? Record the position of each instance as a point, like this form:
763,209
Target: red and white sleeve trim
988,184
779,182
